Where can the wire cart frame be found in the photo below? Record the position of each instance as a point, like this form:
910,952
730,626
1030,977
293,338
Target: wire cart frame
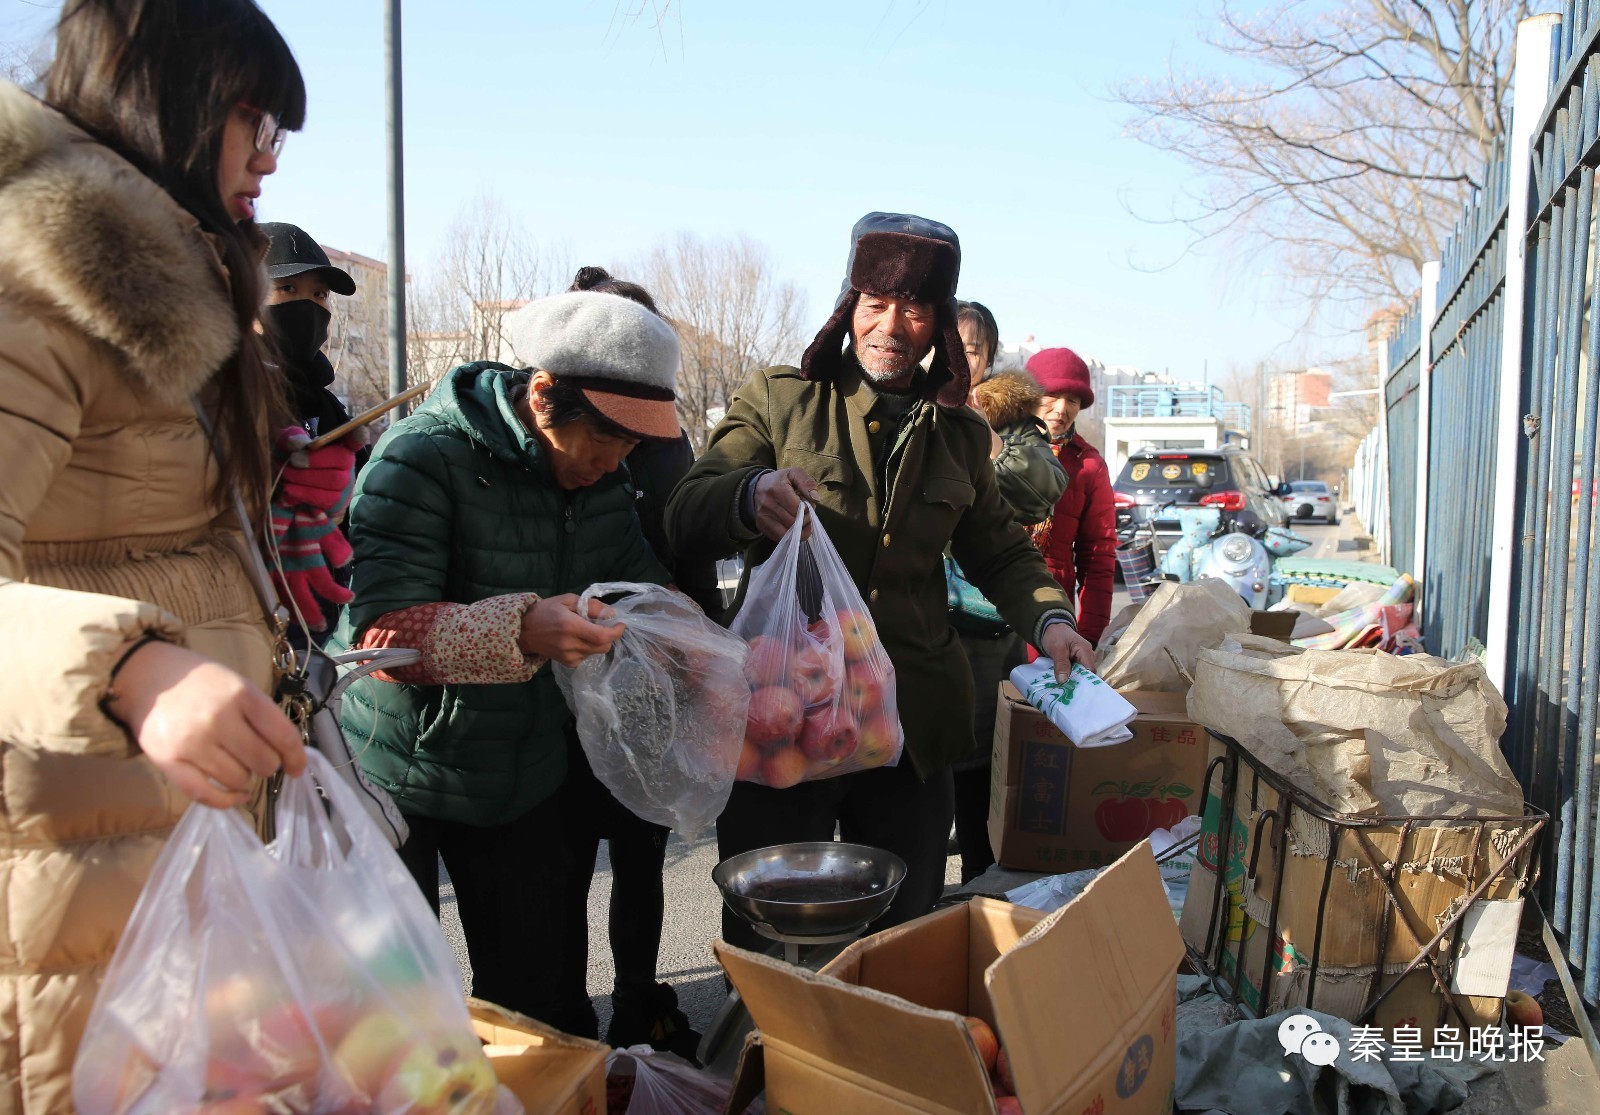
1344,830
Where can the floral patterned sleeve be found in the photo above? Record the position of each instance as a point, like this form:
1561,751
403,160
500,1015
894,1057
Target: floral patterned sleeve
461,644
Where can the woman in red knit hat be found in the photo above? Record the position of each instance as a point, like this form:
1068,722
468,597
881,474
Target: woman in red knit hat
1079,541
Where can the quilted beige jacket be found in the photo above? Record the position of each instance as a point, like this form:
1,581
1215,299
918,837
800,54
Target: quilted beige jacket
113,308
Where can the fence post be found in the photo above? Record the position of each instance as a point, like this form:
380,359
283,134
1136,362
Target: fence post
1379,529
1428,310
1530,91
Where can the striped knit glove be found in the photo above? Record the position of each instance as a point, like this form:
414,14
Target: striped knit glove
315,490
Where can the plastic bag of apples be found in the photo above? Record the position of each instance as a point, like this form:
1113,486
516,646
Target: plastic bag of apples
822,700
307,977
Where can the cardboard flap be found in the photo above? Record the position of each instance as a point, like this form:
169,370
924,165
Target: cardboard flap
881,1040
1153,704
1105,956
495,1025
547,1078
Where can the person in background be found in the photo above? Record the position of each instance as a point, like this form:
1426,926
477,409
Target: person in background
1031,480
1079,542
897,467
135,663
298,315
316,484
643,1011
480,518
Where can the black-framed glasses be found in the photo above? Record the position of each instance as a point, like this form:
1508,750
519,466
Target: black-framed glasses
269,133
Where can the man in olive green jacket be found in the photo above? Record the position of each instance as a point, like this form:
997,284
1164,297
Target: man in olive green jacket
898,469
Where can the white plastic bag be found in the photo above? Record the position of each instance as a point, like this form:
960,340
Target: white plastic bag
661,1084
823,690
307,977
661,714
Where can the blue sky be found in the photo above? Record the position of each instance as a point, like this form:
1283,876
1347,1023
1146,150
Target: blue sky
787,122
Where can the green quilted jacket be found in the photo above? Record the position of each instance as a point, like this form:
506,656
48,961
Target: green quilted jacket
459,504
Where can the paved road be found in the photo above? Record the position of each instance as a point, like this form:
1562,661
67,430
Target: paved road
693,904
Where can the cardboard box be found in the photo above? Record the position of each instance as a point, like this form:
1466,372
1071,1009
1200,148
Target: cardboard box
549,1071
1054,807
1442,863
1083,999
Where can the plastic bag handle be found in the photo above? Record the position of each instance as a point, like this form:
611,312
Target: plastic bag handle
307,830
808,578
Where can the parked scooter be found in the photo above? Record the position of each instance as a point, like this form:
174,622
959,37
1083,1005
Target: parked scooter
1237,549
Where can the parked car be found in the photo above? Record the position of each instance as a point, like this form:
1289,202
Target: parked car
1156,482
1310,499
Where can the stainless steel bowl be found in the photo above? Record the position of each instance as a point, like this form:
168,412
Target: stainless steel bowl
812,890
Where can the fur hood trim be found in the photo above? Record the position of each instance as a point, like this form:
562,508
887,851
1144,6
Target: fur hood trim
1009,398
87,238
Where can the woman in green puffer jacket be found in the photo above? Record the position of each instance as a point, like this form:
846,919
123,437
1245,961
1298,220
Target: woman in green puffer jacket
475,525
1031,480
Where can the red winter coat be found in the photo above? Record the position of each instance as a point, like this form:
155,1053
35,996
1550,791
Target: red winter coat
1079,542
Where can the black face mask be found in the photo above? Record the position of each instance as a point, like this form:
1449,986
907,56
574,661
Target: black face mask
300,329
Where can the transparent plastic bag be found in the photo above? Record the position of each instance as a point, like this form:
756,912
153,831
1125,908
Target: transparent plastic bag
661,714
641,1081
823,689
307,977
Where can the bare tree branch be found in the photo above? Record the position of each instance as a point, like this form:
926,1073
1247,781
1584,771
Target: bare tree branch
1347,150
733,314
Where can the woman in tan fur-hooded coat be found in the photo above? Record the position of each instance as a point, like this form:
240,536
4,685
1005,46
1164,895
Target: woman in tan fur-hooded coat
133,654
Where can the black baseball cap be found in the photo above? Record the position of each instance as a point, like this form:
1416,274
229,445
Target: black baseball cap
292,252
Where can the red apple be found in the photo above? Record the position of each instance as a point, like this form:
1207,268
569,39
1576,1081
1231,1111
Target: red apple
983,1037
1523,1011
783,768
863,692
859,634
749,763
773,720
1004,1083
767,663
821,631
829,735
812,676
880,736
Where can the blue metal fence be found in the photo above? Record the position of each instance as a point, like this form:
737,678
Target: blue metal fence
1555,678
1551,640
1401,410
1465,385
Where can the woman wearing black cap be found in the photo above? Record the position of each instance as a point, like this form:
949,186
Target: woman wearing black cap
298,313
316,484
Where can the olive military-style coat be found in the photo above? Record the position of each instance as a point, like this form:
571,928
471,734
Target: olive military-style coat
891,536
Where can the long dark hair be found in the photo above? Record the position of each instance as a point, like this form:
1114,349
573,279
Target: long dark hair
156,81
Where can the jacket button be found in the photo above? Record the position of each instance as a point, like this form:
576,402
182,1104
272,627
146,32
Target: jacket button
886,541
874,427
873,596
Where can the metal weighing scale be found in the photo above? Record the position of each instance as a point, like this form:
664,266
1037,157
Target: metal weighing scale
817,893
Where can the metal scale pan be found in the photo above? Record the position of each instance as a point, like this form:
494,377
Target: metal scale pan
815,893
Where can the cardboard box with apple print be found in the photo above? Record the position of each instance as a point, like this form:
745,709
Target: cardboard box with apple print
1055,807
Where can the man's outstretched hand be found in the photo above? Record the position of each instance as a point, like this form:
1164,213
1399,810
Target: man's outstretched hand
778,497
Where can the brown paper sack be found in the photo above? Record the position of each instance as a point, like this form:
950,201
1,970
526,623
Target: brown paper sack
1361,730
1177,622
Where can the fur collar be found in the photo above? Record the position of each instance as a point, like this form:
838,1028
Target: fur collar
1009,398
88,239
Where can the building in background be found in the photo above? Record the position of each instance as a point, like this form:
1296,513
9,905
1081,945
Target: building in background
358,336
1294,398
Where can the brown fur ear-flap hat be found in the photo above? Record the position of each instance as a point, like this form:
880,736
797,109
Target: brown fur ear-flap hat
897,254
